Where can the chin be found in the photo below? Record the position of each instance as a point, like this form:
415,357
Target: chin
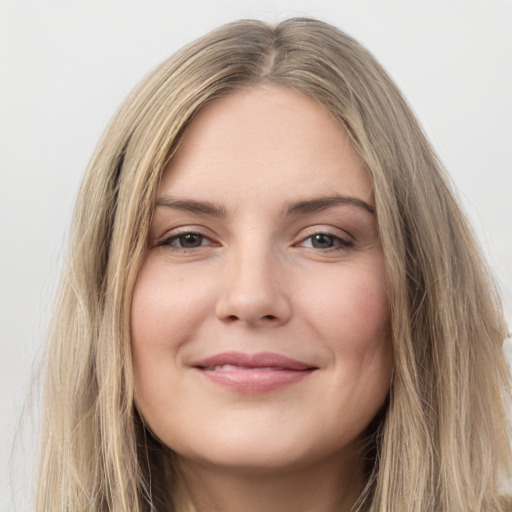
250,460
259,448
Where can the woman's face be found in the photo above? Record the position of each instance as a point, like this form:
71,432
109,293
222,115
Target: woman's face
260,319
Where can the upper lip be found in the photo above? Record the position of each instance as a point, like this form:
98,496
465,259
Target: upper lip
258,360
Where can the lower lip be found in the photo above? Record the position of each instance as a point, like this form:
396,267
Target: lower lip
255,380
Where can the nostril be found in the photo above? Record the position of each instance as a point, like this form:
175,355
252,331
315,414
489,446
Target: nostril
265,317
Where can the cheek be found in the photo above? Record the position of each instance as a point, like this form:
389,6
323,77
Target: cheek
349,313
350,307
165,309
164,314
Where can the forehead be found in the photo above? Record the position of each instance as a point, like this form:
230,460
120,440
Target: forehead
269,139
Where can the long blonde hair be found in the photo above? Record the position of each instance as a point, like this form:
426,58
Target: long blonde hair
440,443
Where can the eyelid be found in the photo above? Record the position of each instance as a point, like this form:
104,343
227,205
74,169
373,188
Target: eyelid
342,240
325,229
175,233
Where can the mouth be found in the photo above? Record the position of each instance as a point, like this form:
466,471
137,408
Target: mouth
253,372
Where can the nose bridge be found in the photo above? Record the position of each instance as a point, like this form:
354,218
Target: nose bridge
252,289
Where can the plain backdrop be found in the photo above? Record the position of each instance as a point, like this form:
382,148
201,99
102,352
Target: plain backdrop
65,67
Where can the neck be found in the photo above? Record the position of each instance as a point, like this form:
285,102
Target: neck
329,487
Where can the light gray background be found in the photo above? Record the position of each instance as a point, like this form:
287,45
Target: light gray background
64,68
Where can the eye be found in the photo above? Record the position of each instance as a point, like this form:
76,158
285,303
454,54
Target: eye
184,241
326,241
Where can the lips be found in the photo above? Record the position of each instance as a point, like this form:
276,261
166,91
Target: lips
253,372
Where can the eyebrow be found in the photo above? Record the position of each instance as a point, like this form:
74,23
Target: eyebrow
323,203
294,208
192,206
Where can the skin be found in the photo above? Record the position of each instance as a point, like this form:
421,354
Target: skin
309,285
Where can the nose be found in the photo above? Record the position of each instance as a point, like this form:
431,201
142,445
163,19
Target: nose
253,291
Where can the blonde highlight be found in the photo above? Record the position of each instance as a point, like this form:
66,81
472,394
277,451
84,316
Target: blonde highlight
441,442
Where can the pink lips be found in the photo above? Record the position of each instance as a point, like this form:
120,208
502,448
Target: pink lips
253,372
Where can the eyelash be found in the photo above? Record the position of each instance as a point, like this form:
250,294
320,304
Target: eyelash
167,242
338,243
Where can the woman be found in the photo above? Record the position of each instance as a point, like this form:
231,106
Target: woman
272,300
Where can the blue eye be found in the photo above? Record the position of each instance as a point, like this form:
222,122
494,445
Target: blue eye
326,241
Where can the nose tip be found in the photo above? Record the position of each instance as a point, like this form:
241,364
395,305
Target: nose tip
253,297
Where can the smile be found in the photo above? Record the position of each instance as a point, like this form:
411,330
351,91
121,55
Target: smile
253,373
